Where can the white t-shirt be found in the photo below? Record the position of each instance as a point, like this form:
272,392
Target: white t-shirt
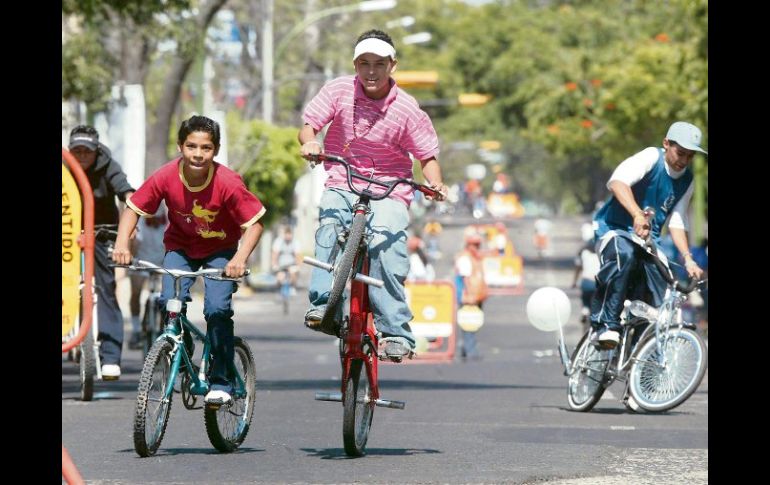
149,242
589,261
287,251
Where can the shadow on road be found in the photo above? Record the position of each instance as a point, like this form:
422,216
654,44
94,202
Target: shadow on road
301,384
339,453
193,451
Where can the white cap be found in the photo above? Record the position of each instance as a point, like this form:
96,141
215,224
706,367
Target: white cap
686,135
374,46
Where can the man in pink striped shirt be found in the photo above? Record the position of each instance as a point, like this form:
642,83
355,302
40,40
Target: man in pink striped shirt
370,117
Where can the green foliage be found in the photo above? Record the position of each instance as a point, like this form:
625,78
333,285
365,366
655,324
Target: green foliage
267,157
86,74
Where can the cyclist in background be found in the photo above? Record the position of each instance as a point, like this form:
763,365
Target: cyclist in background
586,266
148,246
213,223
286,257
659,178
369,115
107,181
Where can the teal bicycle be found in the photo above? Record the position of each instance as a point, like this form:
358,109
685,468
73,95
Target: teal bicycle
170,358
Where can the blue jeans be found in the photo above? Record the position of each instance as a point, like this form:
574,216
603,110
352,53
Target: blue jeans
110,318
217,309
626,272
389,261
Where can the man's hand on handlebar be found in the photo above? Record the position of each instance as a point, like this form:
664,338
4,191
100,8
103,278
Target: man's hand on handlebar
693,270
441,189
311,147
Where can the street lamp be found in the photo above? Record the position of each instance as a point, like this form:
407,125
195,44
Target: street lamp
268,60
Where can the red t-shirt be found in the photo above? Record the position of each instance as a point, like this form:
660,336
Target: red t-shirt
202,220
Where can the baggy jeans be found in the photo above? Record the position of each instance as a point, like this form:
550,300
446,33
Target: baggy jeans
389,262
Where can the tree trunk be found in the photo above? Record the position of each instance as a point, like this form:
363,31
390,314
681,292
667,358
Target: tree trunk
157,135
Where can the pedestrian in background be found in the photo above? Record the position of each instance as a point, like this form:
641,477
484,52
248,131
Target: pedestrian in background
147,246
471,290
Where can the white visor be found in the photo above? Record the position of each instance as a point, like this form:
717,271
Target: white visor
375,46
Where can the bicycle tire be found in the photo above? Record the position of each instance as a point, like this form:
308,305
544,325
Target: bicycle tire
152,389
87,365
343,270
228,425
587,379
655,389
358,410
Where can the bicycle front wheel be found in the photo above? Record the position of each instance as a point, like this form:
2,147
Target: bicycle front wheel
663,379
587,377
153,401
228,425
87,367
343,269
358,410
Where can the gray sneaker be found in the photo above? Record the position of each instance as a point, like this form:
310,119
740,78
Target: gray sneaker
313,319
397,348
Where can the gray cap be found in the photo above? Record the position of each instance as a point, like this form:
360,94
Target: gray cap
84,139
686,135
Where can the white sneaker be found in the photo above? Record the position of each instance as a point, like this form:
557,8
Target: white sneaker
608,339
217,398
110,372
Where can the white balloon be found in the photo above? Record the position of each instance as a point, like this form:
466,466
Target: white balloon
547,308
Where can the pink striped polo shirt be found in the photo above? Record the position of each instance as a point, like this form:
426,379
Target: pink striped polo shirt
387,130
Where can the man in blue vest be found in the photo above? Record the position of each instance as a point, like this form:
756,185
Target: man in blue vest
654,177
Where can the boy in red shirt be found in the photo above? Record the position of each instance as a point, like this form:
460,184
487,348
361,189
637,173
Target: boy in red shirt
209,211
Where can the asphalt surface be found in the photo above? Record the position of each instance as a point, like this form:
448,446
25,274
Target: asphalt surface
502,419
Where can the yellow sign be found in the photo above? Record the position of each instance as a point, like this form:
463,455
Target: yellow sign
502,270
432,306
504,205
70,251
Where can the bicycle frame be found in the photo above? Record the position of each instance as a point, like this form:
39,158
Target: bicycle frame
361,331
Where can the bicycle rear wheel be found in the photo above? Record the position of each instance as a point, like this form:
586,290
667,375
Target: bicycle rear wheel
358,410
343,269
657,388
587,377
152,405
87,367
227,426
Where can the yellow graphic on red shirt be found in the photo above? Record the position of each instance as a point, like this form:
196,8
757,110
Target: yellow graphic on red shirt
201,218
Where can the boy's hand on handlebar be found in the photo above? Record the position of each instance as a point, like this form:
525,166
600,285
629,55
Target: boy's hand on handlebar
235,268
121,254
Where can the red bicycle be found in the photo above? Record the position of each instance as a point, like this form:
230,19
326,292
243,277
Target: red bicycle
359,339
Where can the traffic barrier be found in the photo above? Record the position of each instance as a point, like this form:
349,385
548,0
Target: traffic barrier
434,307
504,275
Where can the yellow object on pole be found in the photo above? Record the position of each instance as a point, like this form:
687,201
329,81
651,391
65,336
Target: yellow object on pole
490,145
71,213
416,79
473,99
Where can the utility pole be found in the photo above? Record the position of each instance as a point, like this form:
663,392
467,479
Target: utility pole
267,61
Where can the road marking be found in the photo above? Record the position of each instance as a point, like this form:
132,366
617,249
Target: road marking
622,428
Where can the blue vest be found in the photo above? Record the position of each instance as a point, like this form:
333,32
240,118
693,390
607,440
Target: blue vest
656,189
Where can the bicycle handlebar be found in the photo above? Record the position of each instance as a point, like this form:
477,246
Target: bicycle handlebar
681,287
389,185
211,273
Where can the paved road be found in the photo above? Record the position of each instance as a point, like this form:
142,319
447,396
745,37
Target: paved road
499,420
